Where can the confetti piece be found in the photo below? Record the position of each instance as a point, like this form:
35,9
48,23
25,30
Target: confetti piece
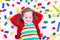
50,10
20,0
5,17
7,4
47,38
45,22
58,27
53,28
44,37
8,18
34,5
48,3
12,26
44,27
49,15
39,4
11,33
0,1
38,7
12,5
3,4
17,9
7,0
47,10
40,11
58,15
6,31
0,27
26,0
31,0
54,33
28,3
53,37
54,15
58,34
0,10
56,8
53,22
5,23
18,3
0,17
43,7
2,30
55,1
22,7
4,10
10,12
5,36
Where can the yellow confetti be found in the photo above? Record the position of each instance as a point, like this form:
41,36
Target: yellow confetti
8,18
17,9
0,1
11,33
58,34
54,15
50,10
37,7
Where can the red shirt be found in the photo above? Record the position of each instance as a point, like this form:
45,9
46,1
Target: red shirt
20,25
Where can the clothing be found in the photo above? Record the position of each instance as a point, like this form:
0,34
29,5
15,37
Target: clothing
29,32
20,25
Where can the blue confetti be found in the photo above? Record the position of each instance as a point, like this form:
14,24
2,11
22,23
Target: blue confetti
53,22
43,27
12,26
20,0
4,10
31,0
6,31
58,27
44,37
10,12
3,4
28,2
54,33
43,7
5,17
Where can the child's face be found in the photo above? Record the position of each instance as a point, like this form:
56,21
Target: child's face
27,17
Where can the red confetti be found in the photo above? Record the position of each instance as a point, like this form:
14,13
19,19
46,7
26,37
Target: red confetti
22,7
12,5
39,4
18,2
48,3
47,38
53,28
0,10
7,4
2,30
5,36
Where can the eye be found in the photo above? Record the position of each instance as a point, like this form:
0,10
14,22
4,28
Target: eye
26,17
30,17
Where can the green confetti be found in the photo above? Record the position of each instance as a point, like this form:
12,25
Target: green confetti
26,0
40,11
7,0
34,6
58,15
0,17
47,10
5,23
49,15
45,22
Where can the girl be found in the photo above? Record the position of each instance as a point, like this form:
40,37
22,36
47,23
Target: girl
27,24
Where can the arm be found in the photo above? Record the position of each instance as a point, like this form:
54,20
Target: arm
39,17
13,19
